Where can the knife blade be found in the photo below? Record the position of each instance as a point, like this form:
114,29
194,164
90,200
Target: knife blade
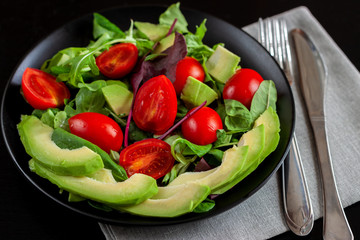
312,81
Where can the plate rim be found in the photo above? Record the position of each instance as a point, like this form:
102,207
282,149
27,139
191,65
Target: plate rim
148,220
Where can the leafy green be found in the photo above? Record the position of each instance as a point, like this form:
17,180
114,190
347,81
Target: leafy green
176,170
238,117
205,206
102,25
185,151
173,12
196,48
52,117
223,139
264,97
89,99
214,157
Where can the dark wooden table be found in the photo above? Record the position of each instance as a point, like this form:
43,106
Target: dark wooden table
25,212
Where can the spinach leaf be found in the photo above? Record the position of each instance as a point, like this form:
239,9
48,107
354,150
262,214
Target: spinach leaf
214,157
173,12
223,139
89,99
238,118
264,97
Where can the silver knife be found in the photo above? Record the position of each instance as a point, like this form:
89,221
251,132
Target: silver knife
312,81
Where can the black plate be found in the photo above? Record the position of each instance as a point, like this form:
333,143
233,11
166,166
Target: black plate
78,33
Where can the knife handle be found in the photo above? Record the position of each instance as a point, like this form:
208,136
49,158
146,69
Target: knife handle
335,225
297,205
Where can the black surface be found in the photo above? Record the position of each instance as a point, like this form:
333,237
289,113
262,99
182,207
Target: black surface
24,210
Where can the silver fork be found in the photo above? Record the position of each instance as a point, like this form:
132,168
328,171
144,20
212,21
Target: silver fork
273,35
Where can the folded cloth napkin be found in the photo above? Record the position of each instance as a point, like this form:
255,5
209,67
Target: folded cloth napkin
261,215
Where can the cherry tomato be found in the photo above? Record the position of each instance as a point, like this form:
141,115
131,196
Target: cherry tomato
118,61
97,128
155,105
201,127
187,67
42,91
150,156
242,86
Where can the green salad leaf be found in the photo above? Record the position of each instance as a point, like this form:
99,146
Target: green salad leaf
264,97
173,12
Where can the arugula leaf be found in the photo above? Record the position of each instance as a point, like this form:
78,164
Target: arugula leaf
173,12
182,148
175,171
196,48
102,25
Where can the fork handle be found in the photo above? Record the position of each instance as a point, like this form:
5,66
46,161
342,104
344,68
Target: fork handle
335,223
297,205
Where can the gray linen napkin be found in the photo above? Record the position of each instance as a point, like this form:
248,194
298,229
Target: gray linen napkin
261,216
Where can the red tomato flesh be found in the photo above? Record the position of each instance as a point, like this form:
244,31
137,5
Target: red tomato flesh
42,91
150,156
97,128
118,61
187,67
242,86
201,127
155,105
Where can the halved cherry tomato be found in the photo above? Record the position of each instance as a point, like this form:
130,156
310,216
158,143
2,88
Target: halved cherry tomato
201,127
155,105
118,61
42,91
187,67
150,156
97,128
242,86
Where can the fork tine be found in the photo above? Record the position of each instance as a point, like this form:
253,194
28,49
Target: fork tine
261,33
273,35
278,53
287,66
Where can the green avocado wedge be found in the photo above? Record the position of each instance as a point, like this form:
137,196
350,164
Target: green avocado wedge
36,138
134,190
233,161
170,201
66,140
270,120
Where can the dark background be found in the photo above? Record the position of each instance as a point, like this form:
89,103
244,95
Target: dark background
25,212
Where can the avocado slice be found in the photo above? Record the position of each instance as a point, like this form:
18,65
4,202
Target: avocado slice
270,120
66,140
134,190
170,201
103,175
36,138
154,32
222,64
233,161
118,98
195,93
